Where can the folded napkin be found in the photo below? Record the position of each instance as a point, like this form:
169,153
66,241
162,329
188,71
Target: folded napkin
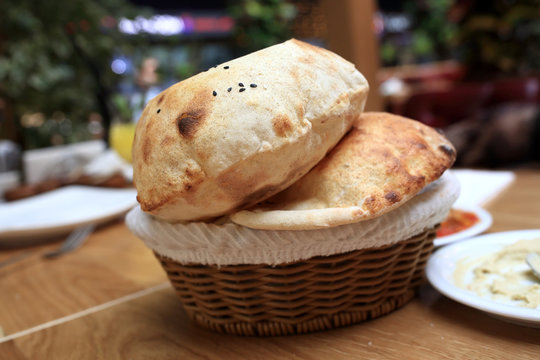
107,164
479,187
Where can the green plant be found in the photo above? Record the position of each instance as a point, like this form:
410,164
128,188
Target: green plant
501,37
261,23
55,58
430,36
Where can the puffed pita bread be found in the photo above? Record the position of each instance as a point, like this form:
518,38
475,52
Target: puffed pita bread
380,164
242,131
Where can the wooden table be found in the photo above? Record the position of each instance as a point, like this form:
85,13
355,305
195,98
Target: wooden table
111,300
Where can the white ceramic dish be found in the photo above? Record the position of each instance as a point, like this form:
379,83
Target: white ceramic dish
58,212
442,264
485,221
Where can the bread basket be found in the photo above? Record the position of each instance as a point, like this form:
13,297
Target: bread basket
320,293
283,208
237,280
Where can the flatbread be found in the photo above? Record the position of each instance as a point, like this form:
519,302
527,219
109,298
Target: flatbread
381,163
242,131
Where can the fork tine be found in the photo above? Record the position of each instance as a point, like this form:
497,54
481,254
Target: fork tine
74,240
78,235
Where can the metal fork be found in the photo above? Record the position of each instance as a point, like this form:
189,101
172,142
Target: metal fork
72,242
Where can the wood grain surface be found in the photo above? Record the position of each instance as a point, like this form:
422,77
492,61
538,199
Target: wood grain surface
110,300
155,327
110,264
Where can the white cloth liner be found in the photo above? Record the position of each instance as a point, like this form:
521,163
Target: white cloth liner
230,244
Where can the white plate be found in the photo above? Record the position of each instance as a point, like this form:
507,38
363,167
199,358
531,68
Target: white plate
485,221
60,211
442,264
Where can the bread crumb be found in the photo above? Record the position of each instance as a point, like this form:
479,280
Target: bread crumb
369,343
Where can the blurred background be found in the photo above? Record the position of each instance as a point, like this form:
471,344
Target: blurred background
75,75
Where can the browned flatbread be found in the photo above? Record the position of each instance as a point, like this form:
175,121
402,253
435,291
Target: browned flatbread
380,164
243,131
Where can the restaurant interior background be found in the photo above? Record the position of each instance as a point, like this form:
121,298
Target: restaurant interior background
74,76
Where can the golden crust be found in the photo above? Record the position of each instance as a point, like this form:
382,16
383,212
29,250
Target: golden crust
380,164
243,131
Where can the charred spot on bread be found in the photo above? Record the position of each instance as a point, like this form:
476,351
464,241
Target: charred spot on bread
160,99
371,204
188,123
189,173
193,177
282,125
392,197
448,150
419,181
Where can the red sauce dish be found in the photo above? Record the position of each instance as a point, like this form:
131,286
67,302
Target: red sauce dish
457,220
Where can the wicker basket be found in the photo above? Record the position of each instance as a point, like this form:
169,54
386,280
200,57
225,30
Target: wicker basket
306,296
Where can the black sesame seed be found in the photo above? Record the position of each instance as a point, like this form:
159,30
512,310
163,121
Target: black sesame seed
229,89
240,84
225,67
214,93
158,111
242,89
253,85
